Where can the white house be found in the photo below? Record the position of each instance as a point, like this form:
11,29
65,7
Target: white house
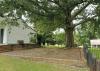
13,34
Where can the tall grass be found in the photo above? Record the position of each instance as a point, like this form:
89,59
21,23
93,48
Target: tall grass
95,52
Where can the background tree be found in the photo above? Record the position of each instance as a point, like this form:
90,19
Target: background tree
59,38
86,33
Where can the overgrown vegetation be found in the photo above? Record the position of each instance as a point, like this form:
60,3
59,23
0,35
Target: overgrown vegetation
95,52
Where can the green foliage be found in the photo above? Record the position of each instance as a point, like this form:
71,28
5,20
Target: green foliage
88,31
43,11
95,52
59,38
45,38
33,39
47,15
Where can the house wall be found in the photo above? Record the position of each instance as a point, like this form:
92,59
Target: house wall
18,33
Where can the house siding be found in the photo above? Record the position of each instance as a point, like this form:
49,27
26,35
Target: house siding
18,33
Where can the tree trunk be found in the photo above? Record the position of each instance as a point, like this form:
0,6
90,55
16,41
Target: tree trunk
69,37
69,28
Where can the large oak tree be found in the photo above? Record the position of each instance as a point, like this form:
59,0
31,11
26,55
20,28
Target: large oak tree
55,13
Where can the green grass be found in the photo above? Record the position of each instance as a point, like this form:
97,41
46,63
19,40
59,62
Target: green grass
16,64
95,52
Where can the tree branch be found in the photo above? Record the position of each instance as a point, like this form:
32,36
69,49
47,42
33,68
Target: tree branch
42,9
1,15
58,3
26,24
85,20
79,11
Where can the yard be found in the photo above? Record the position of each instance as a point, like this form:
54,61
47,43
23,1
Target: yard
16,64
95,52
43,59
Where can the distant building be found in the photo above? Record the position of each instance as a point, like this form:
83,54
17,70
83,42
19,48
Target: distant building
95,42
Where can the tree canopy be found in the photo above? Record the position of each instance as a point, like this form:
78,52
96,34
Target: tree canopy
52,13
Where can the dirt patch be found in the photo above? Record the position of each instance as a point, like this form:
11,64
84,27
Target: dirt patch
58,53
70,57
13,47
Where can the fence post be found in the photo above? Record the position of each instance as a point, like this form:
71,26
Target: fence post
85,50
91,60
98,65
93,64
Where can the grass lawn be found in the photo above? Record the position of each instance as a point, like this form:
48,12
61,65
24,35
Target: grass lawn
17,64
95,52
8,63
